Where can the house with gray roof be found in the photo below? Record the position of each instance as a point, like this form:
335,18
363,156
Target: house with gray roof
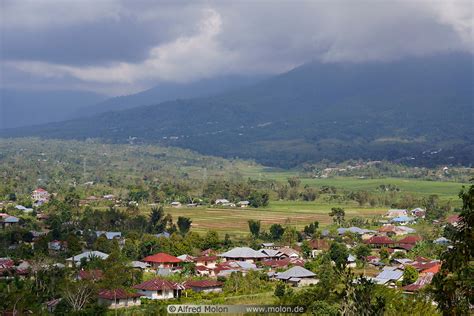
297,276
389,276
109,235
243,254
87,255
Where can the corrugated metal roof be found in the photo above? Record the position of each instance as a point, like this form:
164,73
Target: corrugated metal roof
243,252
295,272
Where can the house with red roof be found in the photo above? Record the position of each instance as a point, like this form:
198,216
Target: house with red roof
379,241
205,286
40,195
453,220
119,298
318,246
159,289
162,261
423,280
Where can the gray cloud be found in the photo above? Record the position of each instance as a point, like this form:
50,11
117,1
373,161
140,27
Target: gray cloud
110,46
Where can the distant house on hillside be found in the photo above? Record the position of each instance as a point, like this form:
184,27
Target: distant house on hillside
176,204
8,220
418,212
403,220
396,213
40,195
87,255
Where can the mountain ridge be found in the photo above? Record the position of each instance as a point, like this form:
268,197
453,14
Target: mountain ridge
382,110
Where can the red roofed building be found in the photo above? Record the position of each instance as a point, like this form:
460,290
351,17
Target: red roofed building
40,195
119,298
159,289
204,285
318,246
453,220
162,260
379,241
422,281
427,267
410,240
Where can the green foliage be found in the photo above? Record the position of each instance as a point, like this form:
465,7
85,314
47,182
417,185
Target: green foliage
410,275
276,231
254,227
258,199
338,253
337,215
453,286
184,225
311,228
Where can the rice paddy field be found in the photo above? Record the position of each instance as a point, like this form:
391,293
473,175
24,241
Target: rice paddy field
299,213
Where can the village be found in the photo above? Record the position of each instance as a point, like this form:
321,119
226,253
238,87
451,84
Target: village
384,254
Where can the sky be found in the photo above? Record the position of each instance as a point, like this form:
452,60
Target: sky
119,47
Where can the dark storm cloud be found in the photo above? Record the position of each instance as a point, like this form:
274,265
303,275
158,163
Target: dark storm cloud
109,45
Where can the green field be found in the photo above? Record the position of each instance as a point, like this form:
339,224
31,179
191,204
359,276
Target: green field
299,213
445,189
295,213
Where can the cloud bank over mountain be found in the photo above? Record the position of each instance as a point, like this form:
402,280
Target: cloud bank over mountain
118,47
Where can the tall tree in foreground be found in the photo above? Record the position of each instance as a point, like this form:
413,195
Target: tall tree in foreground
453,286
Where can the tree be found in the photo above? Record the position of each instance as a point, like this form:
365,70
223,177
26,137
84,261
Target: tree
359,297
78,294
254,227
280,290
453,286
184,224
258,199
362,252
311,228
306,249
410,275
211,240
338,253
384,254
337,215
276,231
294,182
157,222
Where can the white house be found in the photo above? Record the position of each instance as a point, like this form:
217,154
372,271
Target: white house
159,289
40,195
119,298
88,255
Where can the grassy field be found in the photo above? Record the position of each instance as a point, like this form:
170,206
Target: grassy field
299,213
446,190
294,213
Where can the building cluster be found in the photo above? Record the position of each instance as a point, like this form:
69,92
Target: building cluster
280,262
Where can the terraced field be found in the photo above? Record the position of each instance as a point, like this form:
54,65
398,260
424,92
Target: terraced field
295,213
